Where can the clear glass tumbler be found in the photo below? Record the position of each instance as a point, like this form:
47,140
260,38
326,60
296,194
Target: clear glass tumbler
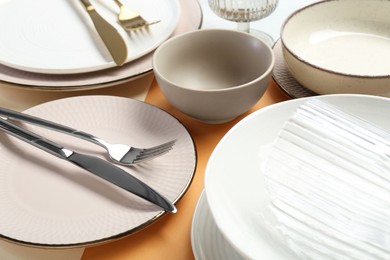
243,12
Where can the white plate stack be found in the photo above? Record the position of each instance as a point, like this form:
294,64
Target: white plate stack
302,179
53,45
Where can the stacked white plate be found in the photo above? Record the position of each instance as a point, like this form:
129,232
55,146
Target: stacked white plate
54,45
236,193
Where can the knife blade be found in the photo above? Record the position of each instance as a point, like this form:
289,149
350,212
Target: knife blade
114,42
95,165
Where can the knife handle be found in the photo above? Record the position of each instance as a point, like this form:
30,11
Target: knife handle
34,139
50,125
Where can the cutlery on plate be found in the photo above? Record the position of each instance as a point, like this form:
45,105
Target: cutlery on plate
131,20
114,42
119,153
97,166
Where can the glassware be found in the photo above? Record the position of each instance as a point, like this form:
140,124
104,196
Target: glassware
243,12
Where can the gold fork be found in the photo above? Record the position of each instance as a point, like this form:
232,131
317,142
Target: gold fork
131,20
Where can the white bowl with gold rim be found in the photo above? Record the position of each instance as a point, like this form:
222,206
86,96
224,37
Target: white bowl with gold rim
340,46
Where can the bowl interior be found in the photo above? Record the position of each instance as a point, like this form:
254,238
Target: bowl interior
347,36
212,59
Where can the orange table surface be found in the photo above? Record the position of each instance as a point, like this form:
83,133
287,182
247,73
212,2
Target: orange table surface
169,237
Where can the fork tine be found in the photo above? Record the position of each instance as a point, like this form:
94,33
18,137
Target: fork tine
140,158
131,20
164,146
150,153
142,24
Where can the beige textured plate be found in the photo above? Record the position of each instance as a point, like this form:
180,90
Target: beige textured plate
48,202
190,19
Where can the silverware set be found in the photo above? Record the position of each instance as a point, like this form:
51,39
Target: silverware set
129,19
118,153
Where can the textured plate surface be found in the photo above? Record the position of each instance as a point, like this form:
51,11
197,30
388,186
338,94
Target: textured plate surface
58,37
46,201
233,179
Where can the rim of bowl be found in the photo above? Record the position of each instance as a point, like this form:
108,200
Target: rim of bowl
269,70
287,48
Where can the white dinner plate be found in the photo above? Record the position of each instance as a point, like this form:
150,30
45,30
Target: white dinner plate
190,19
233,179
206,239
58,37
48,202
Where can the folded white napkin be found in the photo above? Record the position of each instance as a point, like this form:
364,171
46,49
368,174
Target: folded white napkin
328,180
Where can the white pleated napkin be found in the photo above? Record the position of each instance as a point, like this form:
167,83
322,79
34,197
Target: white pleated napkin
328,180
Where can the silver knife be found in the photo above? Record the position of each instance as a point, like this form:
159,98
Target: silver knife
95,165
114,42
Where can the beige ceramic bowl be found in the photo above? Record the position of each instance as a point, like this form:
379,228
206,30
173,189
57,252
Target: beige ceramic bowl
213,75
340,46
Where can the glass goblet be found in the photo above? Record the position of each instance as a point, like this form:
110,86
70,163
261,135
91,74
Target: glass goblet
243,12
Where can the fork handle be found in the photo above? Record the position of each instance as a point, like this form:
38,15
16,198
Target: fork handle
34,139
50,125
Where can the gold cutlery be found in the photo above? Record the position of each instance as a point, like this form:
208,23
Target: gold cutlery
114,42
131,20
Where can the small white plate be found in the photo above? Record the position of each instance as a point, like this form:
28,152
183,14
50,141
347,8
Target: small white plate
49,202
233,178
58,37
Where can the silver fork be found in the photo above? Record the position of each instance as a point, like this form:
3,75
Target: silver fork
131,20
119,153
